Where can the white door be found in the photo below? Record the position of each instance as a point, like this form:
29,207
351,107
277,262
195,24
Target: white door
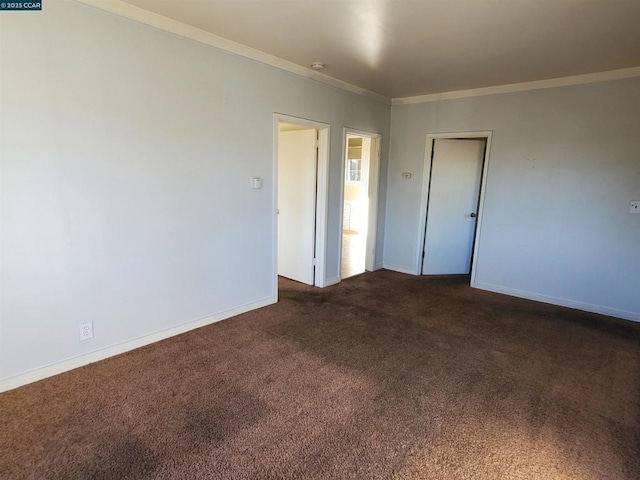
456,170
296,204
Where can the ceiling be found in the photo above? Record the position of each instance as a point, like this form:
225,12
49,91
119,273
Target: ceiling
401,48
290,127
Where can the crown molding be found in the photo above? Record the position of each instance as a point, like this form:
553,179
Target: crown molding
140,15
523,87
131,12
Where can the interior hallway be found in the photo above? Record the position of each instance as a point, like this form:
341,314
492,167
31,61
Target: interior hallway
353,254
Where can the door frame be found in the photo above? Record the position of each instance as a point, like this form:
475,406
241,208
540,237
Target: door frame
372,190
426,177
322,196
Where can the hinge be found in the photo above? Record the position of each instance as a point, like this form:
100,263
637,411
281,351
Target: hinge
317,143
314,262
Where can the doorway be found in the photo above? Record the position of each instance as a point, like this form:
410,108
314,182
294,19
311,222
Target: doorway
453,186
359,205
301,160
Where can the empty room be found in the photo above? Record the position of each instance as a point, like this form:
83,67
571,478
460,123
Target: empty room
312,239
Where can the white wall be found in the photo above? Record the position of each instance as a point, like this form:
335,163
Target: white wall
565,163
127,154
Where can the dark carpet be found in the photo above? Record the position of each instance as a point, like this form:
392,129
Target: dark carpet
383,376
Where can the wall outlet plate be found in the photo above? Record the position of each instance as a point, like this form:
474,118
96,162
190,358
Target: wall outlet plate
86,331
635,206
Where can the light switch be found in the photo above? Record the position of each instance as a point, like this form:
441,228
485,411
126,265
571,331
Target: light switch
634,207
256,182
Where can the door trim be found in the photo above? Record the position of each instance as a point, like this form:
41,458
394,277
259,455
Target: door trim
322,196
426,177
372,189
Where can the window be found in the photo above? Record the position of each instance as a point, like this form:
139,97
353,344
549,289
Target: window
353,172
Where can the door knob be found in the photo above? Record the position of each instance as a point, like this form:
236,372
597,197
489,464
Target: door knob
473,215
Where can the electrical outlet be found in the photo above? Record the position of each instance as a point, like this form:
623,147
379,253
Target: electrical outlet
86,331
634,207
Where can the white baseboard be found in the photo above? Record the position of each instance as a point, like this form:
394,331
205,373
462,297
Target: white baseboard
82,360
331,281
396,268
563,302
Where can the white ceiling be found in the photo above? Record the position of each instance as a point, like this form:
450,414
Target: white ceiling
290,127
401,48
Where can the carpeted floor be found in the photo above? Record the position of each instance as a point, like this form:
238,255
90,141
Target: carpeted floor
385,376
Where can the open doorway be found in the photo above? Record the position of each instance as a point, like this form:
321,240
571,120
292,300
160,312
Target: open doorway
297,172
300,170
359,206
